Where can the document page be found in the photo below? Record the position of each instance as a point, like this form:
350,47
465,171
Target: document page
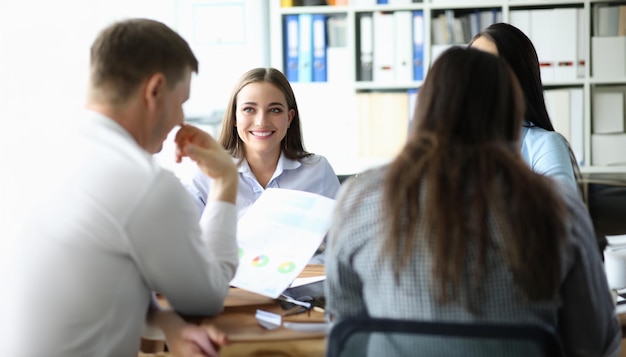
277,236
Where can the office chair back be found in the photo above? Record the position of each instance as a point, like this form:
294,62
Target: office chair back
392,337
607,207
343,178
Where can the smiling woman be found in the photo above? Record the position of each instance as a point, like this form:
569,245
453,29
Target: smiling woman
261,129
262,121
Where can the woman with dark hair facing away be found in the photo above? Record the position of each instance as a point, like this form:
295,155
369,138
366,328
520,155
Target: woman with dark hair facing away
546,151
441,233
261,130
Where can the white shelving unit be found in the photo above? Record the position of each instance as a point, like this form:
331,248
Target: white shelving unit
430,9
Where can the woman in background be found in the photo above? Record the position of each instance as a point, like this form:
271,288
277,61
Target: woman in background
546,151
442,233
261,130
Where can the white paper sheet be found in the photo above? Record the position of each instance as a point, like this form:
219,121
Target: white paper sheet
277,237
616,241
303,281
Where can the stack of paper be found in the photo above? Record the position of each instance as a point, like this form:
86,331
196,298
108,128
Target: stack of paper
277,237
615,267
616,242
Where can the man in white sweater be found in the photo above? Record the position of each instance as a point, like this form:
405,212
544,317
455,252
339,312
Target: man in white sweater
112,227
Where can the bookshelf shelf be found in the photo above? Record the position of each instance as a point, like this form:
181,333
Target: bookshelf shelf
582,80
619,80
360,86
315,10
547,3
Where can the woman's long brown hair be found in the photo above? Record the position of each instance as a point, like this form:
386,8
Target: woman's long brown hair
461,181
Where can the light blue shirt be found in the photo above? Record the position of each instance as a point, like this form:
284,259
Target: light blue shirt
547,153
312,174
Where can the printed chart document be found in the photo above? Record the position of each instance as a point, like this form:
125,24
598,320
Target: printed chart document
277,236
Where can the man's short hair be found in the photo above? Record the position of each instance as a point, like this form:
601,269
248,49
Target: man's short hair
129,51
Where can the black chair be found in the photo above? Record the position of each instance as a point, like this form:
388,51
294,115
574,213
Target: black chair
607,207
343,178
605,196
391,337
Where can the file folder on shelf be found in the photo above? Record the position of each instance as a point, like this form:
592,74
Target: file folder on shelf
366,42
439,30
319,48
582,43
565,107
291,50
577,139
403,49
418,45
383,62
305,48
565,43
337,60
489,16
542,34
558,106
337,51
474,23
290,3
621,22
606,20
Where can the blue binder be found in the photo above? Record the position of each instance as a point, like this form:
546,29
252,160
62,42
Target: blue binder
319,48
291,50
418,45
305,46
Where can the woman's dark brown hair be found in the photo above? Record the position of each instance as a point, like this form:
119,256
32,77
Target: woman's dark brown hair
519,52
461,181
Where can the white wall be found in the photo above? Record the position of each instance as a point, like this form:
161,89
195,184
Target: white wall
44,49
229,37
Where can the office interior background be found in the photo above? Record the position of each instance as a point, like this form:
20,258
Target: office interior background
44,55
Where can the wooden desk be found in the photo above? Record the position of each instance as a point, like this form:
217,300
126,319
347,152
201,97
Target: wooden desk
247,338
622,321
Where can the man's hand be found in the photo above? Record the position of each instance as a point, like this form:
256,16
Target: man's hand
183,339
196,341
212,160
198,145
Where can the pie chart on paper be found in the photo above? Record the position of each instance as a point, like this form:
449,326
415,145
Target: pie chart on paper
286,267
260,261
